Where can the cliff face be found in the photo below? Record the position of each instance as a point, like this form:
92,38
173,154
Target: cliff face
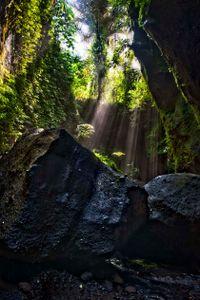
167,49
175,26
20,38
4,37
35,86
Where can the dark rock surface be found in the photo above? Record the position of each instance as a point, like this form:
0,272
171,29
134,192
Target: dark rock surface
60,205
173,231
140,283
174,194
160,80
153,45
63,209
175,25
11,295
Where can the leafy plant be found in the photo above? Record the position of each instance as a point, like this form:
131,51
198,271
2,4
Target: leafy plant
83,78
38,86
63,23
139,94
118,154
106,160
84,131
11,114
142,5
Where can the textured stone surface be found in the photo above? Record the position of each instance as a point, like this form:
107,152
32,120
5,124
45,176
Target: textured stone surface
175,25
163,48
11,295
177,194
146,283
60,204
172,234
63,208
174,202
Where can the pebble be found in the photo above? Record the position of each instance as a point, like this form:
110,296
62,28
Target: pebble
118,279
108,285
130,289
25,286
87,276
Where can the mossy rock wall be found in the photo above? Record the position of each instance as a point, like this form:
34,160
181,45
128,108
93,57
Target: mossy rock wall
178,112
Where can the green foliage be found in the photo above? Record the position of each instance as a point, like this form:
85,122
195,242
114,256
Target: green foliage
182,136
118,154
126,86
46,78
39,89
114,90
83,78
63,23
48,99
119,11
196,113
99,48
121,54
28,27
11,114
121,76
139,94
132,171
106,160
84,131
142,5
156,144
99,53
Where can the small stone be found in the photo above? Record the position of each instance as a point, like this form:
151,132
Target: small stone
119,288
118,279
87,276
25,287
130,289
108,285
122,178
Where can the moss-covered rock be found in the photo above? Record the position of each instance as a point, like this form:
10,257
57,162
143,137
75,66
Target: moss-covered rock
174,25
179,117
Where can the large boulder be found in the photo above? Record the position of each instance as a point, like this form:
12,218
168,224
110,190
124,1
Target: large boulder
174,196
173,232
62,206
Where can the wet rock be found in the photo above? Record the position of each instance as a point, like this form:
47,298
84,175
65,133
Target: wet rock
25,287
67,208
108,285
130,289
184,17
118,279
61,285
172,234
156,47
174,196
11,295
86,276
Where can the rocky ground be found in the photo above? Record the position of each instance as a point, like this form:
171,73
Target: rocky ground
63,212
140,281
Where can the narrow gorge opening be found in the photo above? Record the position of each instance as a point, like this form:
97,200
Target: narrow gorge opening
119,117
